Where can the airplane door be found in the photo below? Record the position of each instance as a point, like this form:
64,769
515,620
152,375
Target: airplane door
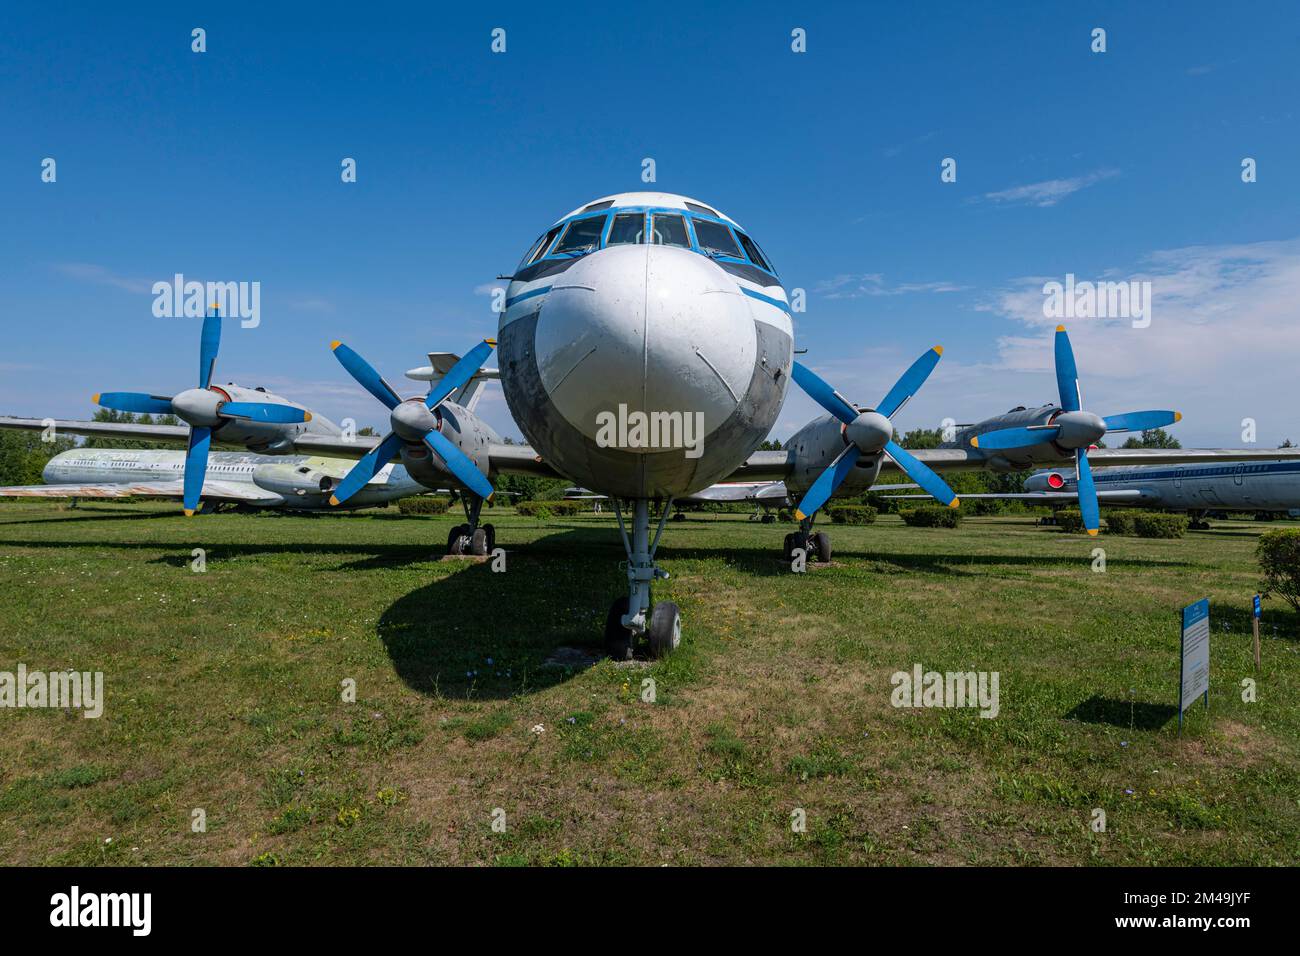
1178,478
1238,472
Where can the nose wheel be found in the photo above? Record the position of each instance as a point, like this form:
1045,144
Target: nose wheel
633,616
816,546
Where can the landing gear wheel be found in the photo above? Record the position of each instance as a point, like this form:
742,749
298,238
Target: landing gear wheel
798,540
768,519
665,630
787,549
478,542
822,541
618,639
491,532
456,539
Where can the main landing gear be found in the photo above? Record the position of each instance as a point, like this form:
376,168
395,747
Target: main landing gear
630,617
816,547
471,538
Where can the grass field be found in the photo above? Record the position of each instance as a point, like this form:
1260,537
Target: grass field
223,694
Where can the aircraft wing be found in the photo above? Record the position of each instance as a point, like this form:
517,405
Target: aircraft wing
520,460
961,459
213,490
1118,495
177,433
773,492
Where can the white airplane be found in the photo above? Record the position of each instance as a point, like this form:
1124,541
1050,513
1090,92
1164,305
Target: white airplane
289,482
645,352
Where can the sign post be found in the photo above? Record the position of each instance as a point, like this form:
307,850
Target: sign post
1254,622
1194,668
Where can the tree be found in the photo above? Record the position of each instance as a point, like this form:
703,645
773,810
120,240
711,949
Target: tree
1286,444
1153,438
127,418
922,438
23,456
770,445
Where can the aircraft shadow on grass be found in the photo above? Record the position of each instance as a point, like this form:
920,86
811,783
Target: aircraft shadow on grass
1138,715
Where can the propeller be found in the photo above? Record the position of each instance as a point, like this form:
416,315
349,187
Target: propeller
1072,428
413,420
869,432
203,409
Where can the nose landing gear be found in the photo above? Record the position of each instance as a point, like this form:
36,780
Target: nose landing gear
631,617
815,546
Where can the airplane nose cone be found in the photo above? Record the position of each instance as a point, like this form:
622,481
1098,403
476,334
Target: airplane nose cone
412,420
197,407
644,328
870,431
1079,429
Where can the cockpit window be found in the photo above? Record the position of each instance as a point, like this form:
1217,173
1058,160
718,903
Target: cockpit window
755,254
627,227
583,235
668,230
715,239
539,247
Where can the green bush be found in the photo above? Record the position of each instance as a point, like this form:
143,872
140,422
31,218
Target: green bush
931,517
983,507
423,505
1120,522
785,514
549,509
1154,525
1278,553
1070,520
851,514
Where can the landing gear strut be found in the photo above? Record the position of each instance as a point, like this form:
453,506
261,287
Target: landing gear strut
630,617
470,538
815,546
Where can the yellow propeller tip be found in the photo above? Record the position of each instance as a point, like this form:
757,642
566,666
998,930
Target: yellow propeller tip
955,503
334,499
189,512
1093,532
491,342
95,398
335,344
799,514
306,416
1178,416
975,442
1060,328
938,349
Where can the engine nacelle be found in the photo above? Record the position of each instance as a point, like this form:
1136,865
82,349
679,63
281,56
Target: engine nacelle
818,444
295,482
463,429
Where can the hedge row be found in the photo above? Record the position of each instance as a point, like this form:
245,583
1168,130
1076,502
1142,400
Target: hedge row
851,514
931,517
1278,553
423,505
1143,524
550,509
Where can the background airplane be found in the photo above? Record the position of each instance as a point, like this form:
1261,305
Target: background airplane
291,482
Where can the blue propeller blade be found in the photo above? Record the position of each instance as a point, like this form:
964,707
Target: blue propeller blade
209,343
460,373
1013,438
1067,373
135,402
1140,421
910,381
196,467
263,412
459,464
365,375
827,482
366,468
919,472
1087,492
823,394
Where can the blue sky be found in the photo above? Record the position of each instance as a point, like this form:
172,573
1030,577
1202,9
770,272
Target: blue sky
225,165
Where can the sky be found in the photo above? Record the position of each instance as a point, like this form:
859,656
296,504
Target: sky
1123,165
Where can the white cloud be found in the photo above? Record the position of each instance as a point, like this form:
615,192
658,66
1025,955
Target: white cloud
873,284
1050,191
99,275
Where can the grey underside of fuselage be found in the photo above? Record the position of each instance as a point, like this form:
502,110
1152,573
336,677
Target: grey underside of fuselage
625,474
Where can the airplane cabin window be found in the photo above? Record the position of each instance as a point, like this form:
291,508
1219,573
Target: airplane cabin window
715,238
755,254
627,227
583,235
668,230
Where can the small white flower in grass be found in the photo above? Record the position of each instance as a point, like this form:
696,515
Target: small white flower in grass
538,729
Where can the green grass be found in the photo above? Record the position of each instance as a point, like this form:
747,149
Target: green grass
223,693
